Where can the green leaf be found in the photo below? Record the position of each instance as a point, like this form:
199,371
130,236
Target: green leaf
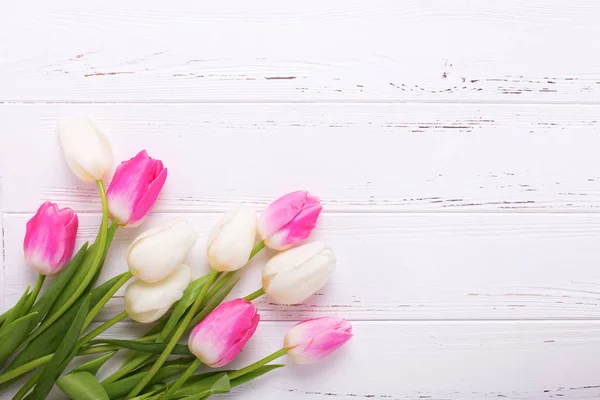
154,394
3,316
82,386
27,386
15,312
212,304
80,274
254,374
12,334
120,388
154,348
63,355
218,386
49,340
46,300
94,365
214,381
188,298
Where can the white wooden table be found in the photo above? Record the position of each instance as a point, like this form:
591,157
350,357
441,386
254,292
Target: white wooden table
454,144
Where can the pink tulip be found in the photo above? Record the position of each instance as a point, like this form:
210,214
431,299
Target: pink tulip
50,238
289,220
220,337
134,188
314,339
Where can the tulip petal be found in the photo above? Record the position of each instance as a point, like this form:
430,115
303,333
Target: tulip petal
314,339
157,252
289,220
294,275
219,338
50,238
147,302
147,201
86,149
134,188
232,239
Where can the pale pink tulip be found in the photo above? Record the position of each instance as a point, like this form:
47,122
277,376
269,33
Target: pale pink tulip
289,220
134,188
50,238
219,338
313,339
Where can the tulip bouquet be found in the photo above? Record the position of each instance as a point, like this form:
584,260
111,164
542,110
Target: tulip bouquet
44,332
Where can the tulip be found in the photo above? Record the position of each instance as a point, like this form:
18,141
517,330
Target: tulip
289,220
86,149
157,252
314,339
134,189
296,274
50,238
231,241
147,302
220,337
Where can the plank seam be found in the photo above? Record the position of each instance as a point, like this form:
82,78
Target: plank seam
275,101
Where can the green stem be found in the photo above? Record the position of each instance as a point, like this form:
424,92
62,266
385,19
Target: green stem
90,275
84,340
259,246
225,278
98,307
176,336
28,385
97,349
256,365
126,369
177,384
33,296
255,295
38,362
25,368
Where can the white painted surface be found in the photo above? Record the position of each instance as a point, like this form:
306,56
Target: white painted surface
454,144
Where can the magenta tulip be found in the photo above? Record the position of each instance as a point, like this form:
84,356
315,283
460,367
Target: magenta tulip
220,337
289,220
50,238
134,188
313,339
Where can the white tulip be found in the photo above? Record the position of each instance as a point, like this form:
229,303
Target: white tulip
294,275
86,149
147,302
231,241
157,252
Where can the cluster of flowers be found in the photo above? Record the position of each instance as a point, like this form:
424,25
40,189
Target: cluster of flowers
43,333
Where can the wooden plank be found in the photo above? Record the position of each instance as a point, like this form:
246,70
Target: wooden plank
429,360
356,157
3,305
144,50
408,266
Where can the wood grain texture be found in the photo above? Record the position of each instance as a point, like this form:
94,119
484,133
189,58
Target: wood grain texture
431,360
453,143
356,157
408,266
148,51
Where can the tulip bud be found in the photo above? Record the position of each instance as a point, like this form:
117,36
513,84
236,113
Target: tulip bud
314,339
134,189
289,220
296,274
219,338
147,302
157,252
50,238
86,149
231,241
